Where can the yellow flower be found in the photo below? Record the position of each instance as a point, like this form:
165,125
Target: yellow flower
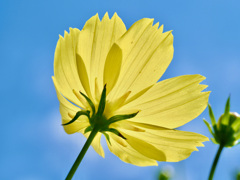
105,59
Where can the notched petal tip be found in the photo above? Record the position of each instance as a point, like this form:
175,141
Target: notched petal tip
200,77
65,33
106,16
161,28
205,139
156,25
115,15
203,86
60,36
151,19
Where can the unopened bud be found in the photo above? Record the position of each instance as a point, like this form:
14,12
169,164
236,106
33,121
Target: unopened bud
227,130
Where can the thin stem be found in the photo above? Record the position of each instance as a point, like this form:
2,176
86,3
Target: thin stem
81,154
214,165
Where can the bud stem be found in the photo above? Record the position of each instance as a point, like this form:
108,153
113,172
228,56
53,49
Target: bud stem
82,153
214,165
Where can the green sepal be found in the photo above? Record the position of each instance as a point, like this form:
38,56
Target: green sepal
236,124
227,107
215,129
116,132
102,102
107,137
89,128
225,118
213,120
214,141
78,114
237,135
89,102
121,117
209,127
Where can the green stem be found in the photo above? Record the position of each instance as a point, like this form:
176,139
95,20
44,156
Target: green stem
214,165
82,153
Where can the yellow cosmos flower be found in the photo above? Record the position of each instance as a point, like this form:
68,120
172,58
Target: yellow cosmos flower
106,77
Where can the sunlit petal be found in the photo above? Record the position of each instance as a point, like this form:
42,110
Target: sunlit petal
176,145
65,69
127,153
112,67
143,147
95,41
171,103
67,109
147,52
83,75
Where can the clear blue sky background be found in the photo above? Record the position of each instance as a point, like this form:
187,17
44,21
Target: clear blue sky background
33,143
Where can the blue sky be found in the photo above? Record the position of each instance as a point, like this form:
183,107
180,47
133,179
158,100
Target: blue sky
33,143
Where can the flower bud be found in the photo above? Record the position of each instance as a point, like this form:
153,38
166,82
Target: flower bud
166,173
226,131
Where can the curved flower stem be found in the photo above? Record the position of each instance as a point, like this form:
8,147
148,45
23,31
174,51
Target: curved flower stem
82,153
215,162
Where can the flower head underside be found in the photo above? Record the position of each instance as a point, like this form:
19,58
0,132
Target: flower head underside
106,77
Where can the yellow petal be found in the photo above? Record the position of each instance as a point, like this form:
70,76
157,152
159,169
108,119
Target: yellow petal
147,52
97,91
118,139
143,147
95,41
82,72
176,145
67,108
112,106
96,143
127,154
112,67
126,125
171,103
65,70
